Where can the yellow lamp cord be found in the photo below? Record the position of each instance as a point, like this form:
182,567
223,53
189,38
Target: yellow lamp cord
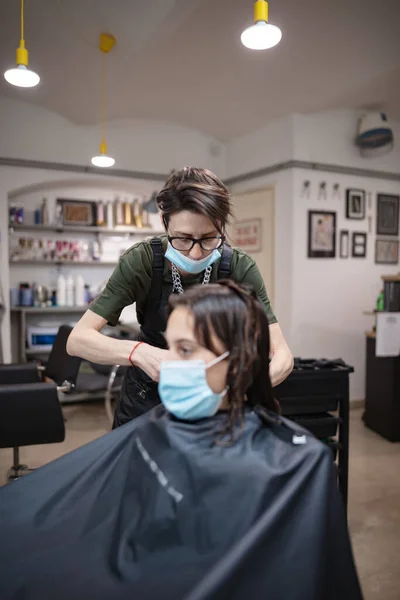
22,23
103,99
22,52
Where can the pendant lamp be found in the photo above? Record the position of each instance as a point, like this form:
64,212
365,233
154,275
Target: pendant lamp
261,35
103,160
21,76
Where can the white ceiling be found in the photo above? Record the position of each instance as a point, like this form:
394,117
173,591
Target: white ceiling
182,60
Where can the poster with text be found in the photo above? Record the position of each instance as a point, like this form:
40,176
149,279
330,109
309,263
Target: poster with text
248,235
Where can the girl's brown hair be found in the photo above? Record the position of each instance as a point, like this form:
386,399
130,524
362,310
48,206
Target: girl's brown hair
197,190
234,315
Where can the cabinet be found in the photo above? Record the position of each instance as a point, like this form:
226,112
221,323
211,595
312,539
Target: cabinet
316,396
22,316
382,398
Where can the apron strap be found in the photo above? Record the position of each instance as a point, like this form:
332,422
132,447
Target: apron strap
224,270
154,297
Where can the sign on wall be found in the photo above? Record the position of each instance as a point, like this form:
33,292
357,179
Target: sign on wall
248,235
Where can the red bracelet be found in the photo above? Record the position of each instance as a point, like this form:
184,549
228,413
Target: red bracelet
132,351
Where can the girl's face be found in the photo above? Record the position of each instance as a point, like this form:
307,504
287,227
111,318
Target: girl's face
184,346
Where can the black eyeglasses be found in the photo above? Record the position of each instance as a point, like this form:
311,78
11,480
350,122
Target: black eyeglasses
184,244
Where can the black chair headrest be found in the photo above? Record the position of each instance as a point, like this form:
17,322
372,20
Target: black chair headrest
61,366
30,413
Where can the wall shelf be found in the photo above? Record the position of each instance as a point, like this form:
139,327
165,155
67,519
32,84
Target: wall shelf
49,310
33,352
117,230
60,263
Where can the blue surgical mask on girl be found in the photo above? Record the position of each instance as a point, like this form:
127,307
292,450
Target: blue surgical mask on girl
184,389
188,264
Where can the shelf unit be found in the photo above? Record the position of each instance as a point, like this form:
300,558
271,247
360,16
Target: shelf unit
117,230
120,230
26,268
49,310
19,317
33,352
60,263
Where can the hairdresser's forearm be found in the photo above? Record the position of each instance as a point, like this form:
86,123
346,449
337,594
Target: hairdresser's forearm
281,366
99,348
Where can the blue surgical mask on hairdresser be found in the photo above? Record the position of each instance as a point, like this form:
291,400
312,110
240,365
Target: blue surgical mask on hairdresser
184,389
188,264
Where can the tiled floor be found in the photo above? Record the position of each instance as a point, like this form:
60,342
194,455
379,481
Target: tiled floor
374,504
374,510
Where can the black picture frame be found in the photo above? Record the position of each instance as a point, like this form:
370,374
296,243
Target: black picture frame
344,243
321,234
355,204
77,212
387,252
387,214
358,244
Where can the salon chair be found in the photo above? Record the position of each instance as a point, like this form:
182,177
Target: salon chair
106,379
103,382
30,410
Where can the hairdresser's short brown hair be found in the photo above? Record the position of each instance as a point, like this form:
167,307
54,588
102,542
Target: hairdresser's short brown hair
197,190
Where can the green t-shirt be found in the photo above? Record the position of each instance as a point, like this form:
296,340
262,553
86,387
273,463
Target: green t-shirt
131,281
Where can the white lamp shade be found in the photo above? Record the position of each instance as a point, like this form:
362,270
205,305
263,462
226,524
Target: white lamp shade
261,36
103,160
21,76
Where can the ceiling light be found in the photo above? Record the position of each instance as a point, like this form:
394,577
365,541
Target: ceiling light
107,42
102,159
261,35
20,75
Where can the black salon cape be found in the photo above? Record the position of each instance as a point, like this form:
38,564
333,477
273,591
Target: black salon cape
155,510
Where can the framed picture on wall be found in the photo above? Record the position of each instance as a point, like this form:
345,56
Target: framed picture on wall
387,215
344,244
321,234
359,244
355,204
386,252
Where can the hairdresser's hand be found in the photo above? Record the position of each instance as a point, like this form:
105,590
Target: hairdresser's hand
281,364
148,358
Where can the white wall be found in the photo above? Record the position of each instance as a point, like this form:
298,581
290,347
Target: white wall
31,132
329,295
319,302
328,137
269,145
282,184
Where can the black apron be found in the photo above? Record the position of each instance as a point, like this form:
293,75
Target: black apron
139,392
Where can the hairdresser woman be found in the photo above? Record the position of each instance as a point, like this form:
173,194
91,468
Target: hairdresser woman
195,207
